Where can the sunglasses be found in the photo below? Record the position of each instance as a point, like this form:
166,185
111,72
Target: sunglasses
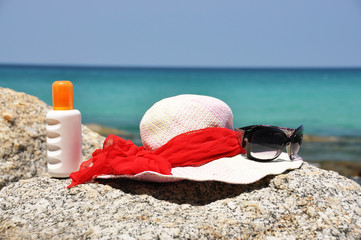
264,143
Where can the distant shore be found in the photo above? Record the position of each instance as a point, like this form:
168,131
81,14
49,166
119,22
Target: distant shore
325,152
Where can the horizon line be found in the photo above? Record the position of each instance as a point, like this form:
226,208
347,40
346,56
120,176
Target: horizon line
150,67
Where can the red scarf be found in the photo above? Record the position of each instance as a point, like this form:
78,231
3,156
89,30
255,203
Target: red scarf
122,157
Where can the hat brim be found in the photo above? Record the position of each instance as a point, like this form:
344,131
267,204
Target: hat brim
234,170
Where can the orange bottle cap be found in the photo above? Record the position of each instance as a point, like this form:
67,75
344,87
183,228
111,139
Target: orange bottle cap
63,95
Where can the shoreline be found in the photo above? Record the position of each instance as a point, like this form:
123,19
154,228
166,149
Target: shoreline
106,130
325,152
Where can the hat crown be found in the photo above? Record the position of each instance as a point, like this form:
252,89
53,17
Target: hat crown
183,113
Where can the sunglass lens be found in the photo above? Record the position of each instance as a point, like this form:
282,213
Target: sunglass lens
296,142
267,144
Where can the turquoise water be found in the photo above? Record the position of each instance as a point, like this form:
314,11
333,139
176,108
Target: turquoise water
326,102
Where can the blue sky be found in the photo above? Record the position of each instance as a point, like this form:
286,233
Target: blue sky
197,33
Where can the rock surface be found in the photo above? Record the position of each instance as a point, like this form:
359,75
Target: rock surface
307,203
23,137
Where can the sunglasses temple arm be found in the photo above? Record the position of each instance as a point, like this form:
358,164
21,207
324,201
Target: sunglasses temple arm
287,131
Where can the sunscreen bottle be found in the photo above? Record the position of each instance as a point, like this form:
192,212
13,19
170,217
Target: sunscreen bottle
63,126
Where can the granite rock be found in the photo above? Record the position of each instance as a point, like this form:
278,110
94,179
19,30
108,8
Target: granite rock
23,137
307,203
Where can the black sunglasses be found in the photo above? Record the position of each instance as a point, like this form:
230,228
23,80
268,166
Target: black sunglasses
264,143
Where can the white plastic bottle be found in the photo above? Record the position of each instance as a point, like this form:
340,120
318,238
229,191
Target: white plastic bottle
63,125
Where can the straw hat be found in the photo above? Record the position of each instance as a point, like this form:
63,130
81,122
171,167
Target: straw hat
179,114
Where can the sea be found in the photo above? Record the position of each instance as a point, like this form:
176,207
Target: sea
327,102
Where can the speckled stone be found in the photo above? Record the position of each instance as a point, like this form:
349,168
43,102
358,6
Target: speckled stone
307,203
23,137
